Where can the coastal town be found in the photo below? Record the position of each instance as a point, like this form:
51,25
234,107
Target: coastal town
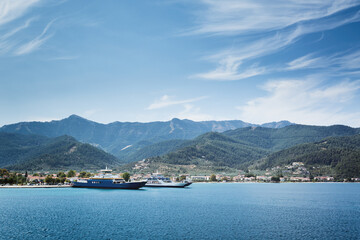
295,172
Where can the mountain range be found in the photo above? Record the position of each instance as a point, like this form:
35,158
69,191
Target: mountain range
124,139
177,146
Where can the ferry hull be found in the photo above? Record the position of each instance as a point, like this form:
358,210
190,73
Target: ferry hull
166,186
128,185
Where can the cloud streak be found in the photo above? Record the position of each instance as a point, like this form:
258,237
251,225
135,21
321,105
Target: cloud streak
167,101
11,10
339,62
246,16
36,42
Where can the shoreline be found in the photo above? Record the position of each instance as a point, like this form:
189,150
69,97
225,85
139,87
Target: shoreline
36,186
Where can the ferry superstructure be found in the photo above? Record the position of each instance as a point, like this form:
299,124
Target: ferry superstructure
161,181
107,180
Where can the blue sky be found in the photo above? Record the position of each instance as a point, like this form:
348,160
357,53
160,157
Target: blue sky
131,60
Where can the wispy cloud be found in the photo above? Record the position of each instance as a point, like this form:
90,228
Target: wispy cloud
166,101
306,101
36,42
13,9
17,29
336,62
243,17
269,26
229,69
307,61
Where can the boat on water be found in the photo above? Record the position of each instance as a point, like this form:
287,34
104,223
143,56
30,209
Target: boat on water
161,181
107,180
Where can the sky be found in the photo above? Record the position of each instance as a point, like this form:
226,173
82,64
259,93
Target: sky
136,60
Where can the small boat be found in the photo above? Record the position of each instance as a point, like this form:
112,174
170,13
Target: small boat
107,180
161,181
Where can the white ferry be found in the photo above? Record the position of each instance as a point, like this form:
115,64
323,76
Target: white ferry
161,181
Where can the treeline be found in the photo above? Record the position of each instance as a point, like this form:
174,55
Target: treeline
8,177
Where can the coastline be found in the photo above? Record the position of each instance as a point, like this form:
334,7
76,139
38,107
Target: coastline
36,186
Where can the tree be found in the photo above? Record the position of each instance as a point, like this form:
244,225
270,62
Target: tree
71,173
225,179
182,177
213,178
4,172
49,179
82,174
126,176
61,175
275,179
250,175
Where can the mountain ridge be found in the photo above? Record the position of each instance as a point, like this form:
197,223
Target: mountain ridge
114,137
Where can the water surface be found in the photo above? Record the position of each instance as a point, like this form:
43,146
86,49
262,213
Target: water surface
202,211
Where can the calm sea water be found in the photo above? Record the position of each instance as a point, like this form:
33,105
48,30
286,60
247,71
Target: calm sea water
203,211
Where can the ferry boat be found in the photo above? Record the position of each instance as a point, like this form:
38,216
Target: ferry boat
107,180
161,181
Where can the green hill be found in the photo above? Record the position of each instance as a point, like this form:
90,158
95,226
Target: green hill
20,152
340,154
240,148
17,147
213,149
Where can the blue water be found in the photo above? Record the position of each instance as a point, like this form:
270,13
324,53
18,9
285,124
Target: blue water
203,211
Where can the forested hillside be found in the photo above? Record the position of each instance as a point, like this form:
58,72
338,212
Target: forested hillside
20,152
342,154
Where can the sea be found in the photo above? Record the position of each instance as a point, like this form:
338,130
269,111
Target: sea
201,211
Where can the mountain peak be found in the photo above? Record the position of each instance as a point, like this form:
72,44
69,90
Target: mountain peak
74,116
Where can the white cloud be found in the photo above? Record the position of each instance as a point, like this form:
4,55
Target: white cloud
336,62
11,10
229,70
306,61
247,16
269,26
167,101
36,42
304,101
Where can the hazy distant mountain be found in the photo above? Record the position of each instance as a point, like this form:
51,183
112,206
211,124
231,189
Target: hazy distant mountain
31,152
123,139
